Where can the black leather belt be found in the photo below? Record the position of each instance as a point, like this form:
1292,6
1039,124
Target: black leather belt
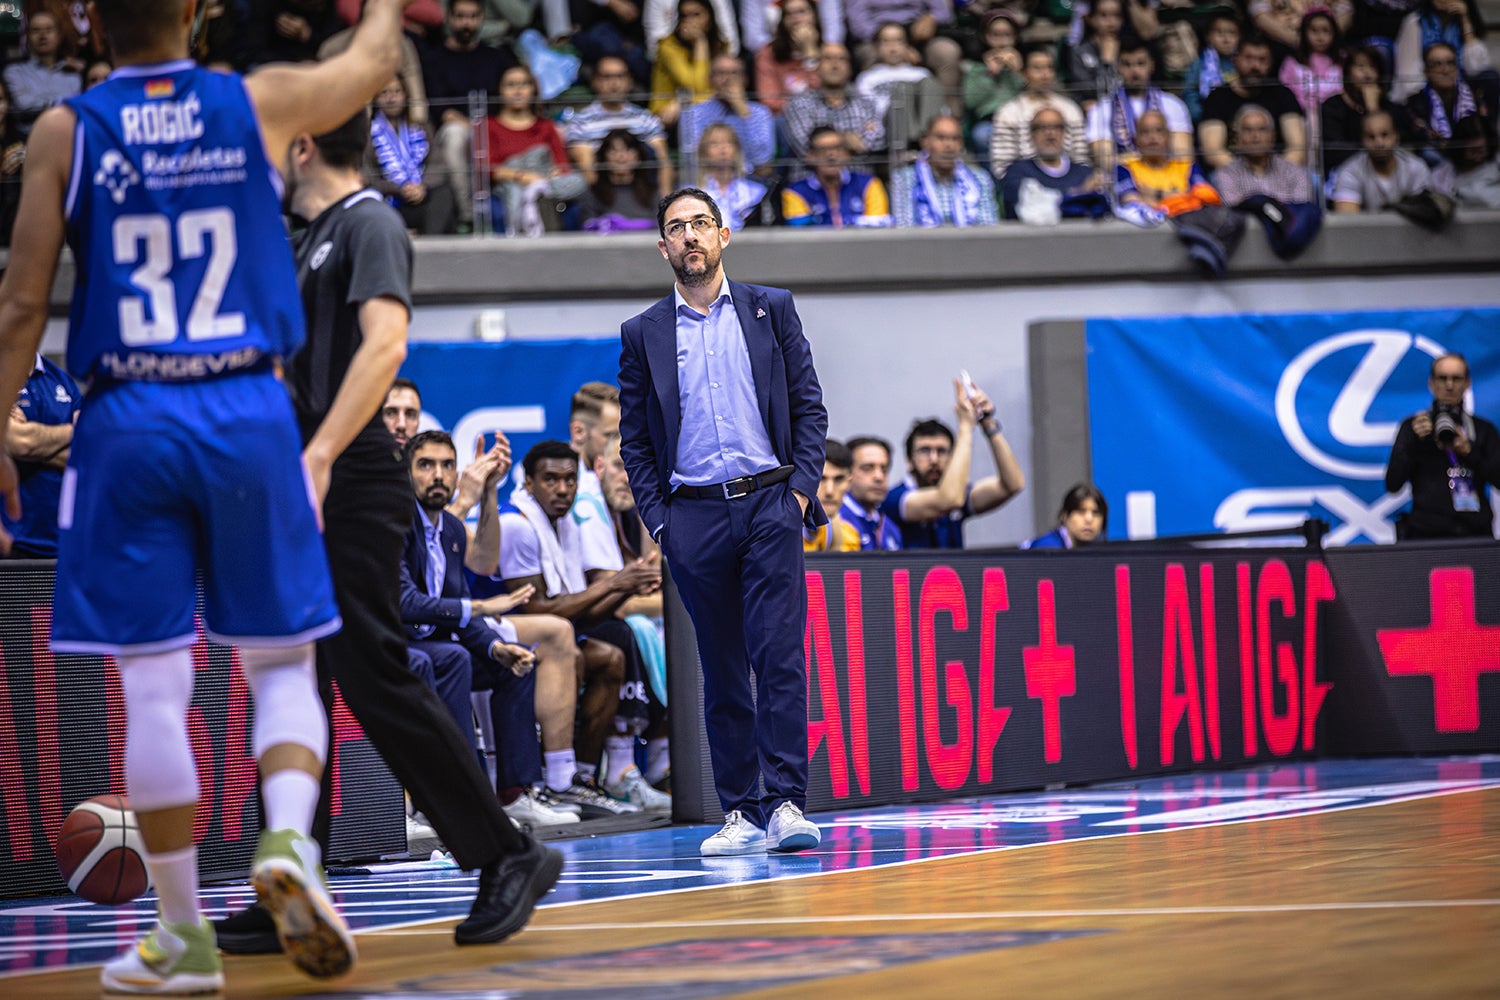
735,488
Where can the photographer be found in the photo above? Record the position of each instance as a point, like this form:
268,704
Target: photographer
1451,459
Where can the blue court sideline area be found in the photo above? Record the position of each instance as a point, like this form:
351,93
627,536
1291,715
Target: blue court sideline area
58,931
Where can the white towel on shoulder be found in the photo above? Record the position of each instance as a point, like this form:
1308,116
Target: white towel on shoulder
560,550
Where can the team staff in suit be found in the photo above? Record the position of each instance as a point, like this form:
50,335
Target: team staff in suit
441,616
722,430
435,604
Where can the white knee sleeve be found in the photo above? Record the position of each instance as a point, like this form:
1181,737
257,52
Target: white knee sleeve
284,685
159,769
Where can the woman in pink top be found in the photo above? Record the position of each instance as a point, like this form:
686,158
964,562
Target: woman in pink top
788,64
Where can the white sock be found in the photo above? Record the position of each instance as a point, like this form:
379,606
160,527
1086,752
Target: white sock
290,797
174,876
658,758
561,766
619,757
587,771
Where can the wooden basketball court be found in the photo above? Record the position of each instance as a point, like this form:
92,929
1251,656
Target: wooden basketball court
1384,888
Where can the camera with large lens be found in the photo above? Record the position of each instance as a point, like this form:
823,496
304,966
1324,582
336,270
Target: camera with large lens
1447,422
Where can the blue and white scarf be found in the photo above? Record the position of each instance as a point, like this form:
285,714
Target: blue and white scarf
1123,117
927,206
1463,107
1212,74
401,152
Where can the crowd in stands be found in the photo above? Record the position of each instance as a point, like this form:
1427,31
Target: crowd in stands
519,117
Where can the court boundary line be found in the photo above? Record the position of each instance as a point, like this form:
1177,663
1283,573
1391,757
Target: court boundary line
1144,911
978,852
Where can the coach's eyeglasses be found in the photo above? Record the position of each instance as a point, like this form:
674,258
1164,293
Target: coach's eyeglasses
701,226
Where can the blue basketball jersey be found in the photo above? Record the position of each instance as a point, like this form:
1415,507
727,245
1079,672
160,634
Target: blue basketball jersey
174,219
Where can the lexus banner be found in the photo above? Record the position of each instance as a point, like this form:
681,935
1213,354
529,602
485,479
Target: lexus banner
1303,429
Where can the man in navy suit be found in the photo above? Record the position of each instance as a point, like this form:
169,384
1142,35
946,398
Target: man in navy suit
722,429
439,614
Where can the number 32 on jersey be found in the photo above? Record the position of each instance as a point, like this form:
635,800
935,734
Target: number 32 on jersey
148,241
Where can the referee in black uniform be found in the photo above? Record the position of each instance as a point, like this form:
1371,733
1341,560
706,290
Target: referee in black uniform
354,265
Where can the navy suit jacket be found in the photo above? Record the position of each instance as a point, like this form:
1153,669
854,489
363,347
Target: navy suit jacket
786,387
437,618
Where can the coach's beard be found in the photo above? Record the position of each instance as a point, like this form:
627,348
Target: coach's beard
693,275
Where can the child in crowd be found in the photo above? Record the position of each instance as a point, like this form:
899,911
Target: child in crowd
1214,66
1314,72
398,165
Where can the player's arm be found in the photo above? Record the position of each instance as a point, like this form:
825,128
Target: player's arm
382,324
483,557
46,444
606,592
319,97
26,289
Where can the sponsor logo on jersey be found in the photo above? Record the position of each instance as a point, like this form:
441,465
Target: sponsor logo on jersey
320,255
116,174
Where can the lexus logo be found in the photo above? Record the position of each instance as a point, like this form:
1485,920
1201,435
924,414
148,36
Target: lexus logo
1348,419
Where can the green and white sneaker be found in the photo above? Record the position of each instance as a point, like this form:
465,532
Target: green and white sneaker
288,879
632,787
172,960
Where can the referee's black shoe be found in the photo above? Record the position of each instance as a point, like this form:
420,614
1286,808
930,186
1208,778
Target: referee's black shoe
509,888
251,931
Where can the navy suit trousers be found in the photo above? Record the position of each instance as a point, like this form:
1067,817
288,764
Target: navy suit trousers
738,566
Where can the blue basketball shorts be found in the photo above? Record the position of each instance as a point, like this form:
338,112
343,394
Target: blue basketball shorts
169,484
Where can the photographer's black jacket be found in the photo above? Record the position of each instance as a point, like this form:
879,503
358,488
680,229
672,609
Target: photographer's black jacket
1422,463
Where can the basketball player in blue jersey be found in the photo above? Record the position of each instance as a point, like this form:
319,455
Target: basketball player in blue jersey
186,455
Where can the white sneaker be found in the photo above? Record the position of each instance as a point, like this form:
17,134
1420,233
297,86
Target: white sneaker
789,830
737,836
528,810
633,787
172,960
548,798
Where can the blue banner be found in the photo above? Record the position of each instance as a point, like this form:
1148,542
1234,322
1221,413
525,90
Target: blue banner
523,388
1224,423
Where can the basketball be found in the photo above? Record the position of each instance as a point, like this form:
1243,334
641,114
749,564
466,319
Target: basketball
99,851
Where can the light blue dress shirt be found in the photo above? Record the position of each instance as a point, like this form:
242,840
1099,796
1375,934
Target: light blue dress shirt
437,563
722,436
